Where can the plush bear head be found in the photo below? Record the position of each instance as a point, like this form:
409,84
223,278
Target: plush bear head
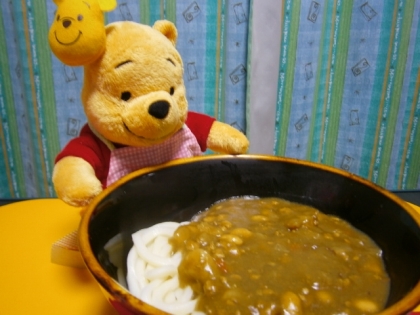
134,93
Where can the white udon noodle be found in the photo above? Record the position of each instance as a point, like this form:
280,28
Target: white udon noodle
152,271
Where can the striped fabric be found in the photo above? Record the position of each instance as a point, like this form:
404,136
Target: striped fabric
347,93
334,81
40,97
29,133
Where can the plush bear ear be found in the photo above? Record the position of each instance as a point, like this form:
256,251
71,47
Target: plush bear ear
106,5
168,29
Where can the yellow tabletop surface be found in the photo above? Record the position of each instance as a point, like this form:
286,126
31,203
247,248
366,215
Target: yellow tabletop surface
30,283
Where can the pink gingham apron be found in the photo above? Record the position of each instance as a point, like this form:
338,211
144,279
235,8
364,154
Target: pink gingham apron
128,159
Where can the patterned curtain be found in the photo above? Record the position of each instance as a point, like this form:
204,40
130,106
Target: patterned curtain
40,97
334,81
344,82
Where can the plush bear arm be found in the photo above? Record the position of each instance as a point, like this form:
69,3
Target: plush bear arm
91,149
224,138
75,181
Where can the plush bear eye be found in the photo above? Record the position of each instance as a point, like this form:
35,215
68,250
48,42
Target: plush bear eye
125,96
172,91
58,17
80,17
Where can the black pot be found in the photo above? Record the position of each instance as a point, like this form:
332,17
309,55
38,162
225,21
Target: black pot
178,190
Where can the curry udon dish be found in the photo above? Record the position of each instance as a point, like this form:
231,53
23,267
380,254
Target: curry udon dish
258,256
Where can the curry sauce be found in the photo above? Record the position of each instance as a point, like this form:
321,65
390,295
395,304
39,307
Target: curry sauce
272,256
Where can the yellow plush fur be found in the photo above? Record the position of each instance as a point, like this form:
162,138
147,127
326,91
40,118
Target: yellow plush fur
127,67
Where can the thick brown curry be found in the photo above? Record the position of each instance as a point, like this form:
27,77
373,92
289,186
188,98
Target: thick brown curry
271,256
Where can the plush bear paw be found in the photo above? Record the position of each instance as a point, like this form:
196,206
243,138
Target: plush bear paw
224,138
75,182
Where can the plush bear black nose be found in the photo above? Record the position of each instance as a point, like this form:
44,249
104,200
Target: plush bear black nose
159,109
66,23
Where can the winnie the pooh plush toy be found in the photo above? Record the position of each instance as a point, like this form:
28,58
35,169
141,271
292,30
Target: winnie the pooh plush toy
134,99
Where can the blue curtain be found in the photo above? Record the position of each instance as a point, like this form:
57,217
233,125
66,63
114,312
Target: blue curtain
334,81
347,77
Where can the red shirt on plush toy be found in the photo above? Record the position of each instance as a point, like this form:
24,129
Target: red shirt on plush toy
98,154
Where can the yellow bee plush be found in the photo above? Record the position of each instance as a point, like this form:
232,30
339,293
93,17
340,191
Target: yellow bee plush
78,36
134,99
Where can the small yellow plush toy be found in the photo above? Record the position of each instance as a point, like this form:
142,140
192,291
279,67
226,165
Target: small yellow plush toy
134,99
78,36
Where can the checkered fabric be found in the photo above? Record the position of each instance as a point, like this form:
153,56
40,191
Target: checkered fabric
128,159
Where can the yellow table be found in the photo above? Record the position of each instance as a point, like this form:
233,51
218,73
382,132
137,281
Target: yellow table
30,283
